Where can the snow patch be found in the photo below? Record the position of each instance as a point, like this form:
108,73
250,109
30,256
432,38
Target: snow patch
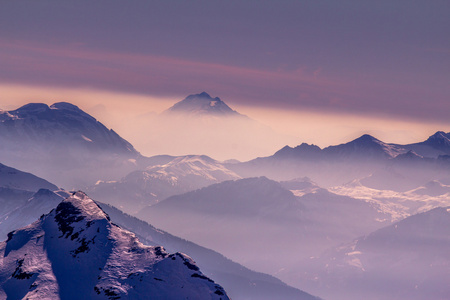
86,138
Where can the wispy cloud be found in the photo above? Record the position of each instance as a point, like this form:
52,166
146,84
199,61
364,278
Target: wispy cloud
299,89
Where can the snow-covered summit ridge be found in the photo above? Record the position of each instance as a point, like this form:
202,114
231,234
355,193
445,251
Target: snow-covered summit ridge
202,104
193,165
81,204
440,140
39,124
75,252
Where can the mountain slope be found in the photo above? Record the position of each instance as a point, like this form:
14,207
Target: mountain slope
250,197
272,221
16,179
365,147
239,282
202,104
38,204
437,144
16,187
56,141
59,123
364,157
201,124
75,252
406,260
157,182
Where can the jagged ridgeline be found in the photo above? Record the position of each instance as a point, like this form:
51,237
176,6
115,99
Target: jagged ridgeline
75,252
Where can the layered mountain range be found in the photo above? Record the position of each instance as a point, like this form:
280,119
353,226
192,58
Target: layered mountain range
159,181
292,208
240,282
406,260
378,164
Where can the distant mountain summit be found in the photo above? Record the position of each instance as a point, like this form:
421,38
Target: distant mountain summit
436,145
75,252
302,151
56,141
366,146
202,104
440,140
155,183
51,126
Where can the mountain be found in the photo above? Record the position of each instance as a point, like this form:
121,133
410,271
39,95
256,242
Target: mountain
202,124
157,182
38,123
202,104
16,179
365,147
407,260
240,282
273,221
433,188
303,151
75,252
56,141
366,157
16,187
437,144
39,203
243,198
440,140
254,210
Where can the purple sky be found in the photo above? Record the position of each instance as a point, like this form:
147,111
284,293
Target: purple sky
380,58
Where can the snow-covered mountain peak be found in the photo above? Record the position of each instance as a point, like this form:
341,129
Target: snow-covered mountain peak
202,104
65,106
440,135
60,142
440,140
75,252
31,108
60,121
193,165
79,205
367,139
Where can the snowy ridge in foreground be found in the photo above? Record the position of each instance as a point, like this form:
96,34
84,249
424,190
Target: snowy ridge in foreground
75,252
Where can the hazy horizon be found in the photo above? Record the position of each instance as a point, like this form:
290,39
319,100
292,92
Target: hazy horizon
133,118
358,218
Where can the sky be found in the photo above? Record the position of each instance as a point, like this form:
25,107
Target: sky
321,71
